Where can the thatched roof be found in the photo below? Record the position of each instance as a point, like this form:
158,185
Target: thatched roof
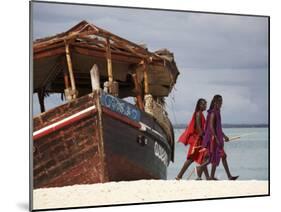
87,44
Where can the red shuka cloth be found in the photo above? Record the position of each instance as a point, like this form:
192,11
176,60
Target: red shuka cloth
191,136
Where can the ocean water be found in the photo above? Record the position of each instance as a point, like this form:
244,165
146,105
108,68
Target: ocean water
247,156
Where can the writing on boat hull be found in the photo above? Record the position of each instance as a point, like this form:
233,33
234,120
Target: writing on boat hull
120,106
161,153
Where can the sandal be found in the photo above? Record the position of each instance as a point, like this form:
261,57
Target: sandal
233,178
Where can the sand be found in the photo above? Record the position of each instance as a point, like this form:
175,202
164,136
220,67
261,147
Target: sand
143,191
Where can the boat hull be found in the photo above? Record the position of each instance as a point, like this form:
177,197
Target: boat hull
131,153
98,145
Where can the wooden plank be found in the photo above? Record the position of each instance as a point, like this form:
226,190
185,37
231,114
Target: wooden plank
104,176
89,50
145,77
109,62
100,54
66,80
93,40
95,78
48,48
64,122
49,53
95,48
68,35
138,90
143,55
124,42
70,70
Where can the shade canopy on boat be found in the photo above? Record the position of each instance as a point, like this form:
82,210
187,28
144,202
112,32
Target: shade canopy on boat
89,45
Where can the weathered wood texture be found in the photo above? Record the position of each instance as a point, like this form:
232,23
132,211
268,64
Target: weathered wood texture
63,111
95,78
96,148
138,91
70,155
113,54
109,61
70,70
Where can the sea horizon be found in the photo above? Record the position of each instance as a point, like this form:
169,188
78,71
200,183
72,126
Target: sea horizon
247,156
228,125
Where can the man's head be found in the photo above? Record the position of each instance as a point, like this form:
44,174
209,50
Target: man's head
216,102
201,105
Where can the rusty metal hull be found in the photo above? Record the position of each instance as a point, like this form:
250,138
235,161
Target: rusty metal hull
98,145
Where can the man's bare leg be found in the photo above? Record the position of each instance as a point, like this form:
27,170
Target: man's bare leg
184,168
226,168
213,171
206,172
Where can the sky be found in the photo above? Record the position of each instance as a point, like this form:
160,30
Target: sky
215,54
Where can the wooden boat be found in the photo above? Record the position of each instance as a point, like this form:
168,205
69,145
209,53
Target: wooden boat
97,136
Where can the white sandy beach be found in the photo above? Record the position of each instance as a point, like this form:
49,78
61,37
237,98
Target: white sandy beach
143,191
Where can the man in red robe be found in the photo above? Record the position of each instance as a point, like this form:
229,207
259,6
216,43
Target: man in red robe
193,136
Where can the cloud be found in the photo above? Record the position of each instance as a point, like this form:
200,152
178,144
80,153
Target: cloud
244,91
223,54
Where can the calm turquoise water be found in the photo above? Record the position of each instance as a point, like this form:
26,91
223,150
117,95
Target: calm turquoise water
247,157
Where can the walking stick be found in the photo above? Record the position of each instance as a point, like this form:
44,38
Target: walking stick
238,137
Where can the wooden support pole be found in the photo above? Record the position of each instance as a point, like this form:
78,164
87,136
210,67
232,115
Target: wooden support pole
95,78
68,89
109,62
70,69
104,172
138,92
41,99
65,75
145,77
66,80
